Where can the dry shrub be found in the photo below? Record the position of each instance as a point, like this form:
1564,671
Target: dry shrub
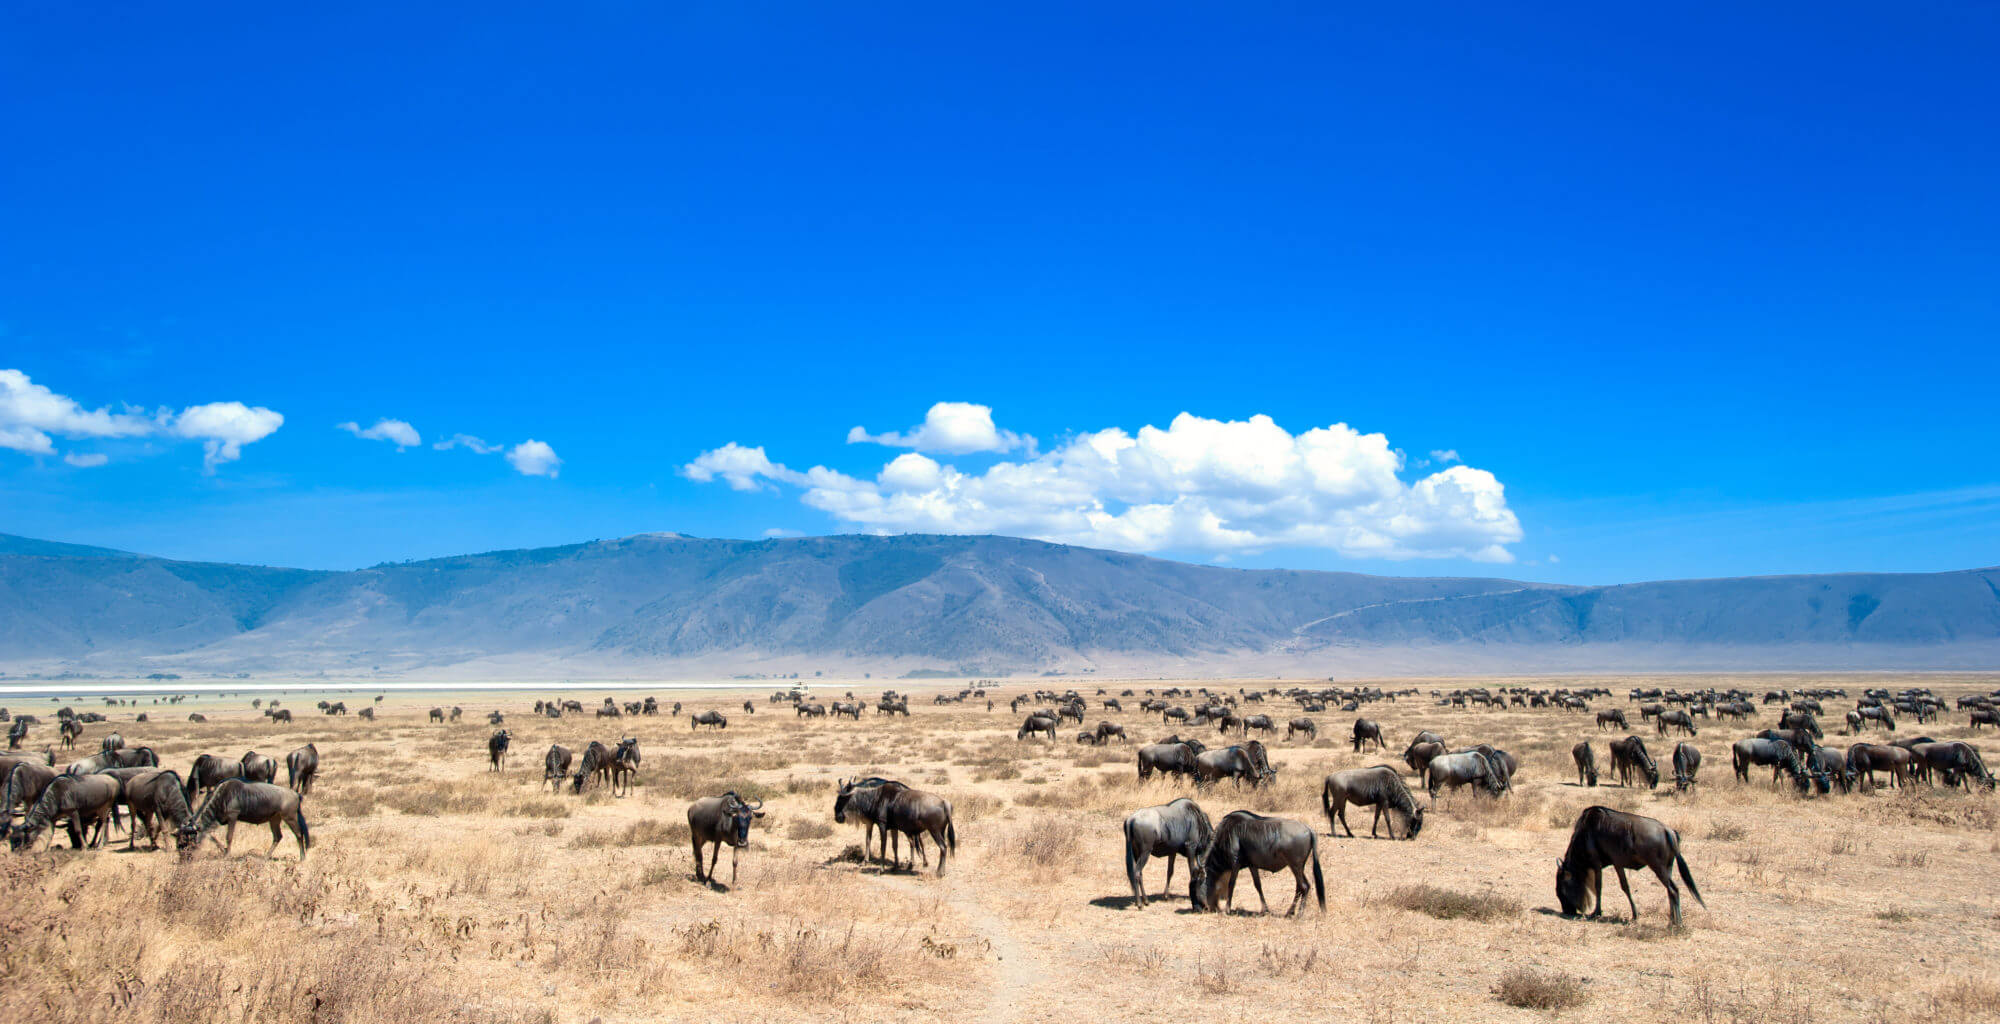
1723,830
1535,989
430,799
808,828
1967,999
799,958
1931,807
1447,905
347,802
544,808
651,832
1046,841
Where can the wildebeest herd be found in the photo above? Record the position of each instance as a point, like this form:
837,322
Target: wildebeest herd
86,797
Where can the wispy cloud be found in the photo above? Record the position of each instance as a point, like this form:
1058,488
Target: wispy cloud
32,416
397,432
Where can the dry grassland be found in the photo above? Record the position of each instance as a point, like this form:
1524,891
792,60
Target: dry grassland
440,891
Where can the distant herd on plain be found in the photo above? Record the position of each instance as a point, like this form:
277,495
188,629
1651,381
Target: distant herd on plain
217,793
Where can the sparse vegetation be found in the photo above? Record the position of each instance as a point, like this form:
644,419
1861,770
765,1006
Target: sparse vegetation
1447,905
1534,989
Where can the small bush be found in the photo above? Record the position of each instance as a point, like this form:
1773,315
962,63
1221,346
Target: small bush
808,828
1726,831
1539,990
639,833
1447,905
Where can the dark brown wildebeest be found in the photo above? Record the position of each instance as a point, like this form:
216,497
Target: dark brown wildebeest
1778,754
258,768
1261,723
1245,840
1958,761
596,764
1629,758
805,710
1687,761
1174,758
1613,718
749,707
301,767
1865,759
624,766
112,741
1586,763
1238,764
282,715
900,810
1450,771
1984,716
1037,722
81,800
1365,730
197,717
367,713
155,795
251,803
437,715
708,718
208,772
1675,720
496,751
720,821
25,784
1106,730
1878,715
1178,828
1801,720
1086,736
865,803
1604,838
1301,725
70,729
1420,755
1379,787
555,767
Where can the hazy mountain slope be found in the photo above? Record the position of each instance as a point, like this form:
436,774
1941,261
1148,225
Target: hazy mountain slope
982,601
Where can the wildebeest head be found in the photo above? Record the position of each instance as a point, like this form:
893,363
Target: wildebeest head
1416,823
1571,888
737,832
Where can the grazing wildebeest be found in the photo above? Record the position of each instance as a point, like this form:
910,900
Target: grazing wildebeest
749,707
208,772
912,813
1878,715
25,783
366,713
1614,717
1687,761
1178,828
1106,730
1831,765
596,764
805,710
437,715
1261,723
496,751
1174,714
1586,763
1984,716
1957,760
155,795
709,718
1675,720
1365,730
1244,840
720,821
1420,756
1301,725
197,717
301,766
555,767
83,800
251,803
1450,771
1236,763
1778,754
1629,758
1801,720
1172,758
258,768
1865,759
1037,722
1604,838
1379,787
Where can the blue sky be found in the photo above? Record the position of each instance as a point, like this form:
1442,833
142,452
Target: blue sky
1699,291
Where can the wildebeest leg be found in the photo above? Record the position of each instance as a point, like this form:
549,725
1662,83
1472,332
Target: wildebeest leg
697,858
1259,884
917,844
277,836
734,853
1625,884
1596,892
1664,870
1135,873
1376,823
229,839
1301,889
711,863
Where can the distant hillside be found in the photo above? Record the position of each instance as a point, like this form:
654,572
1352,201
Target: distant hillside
665,604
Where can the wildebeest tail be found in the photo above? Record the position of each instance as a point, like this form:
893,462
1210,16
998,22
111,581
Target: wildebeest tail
1319,883
951,831
1687,876
1325,802
305,835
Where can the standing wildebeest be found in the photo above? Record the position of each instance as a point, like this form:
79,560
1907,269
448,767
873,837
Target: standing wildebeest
1236,763
1172,758
1629,758
720,821
749,708
301,766
367,713
1957,760
70,729
709,718
1984,716
1801,720
82,799
1450,771
1687,761
1604,838
1586,763
112,741
1365,730
896,808
1106,730
1879,715
1037,722
1179,828
555,767
259,768
281,715
1777,753
496,751
1379,787
208,772
155,794
1865,759
1253,841
1301,725
437,715
1675,720
1831,765
25,783
596,764
625,766
1610,718
252,803
1261,723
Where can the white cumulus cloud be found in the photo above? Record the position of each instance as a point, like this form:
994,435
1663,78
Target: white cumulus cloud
533,458
397,432
951,428
31,416
1197,485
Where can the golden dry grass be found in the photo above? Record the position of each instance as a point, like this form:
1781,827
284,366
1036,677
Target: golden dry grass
441,891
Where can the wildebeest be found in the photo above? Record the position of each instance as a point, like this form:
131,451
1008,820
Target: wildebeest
366,713
1687,761
251,803
1865,759
197,717
301,766
259,768
1604,838
624,766
25,783
1173,758
1613,718
1629,758
1420,755
112,741
1037,722
1675,720
1450,771
70,729
208,772
596,764
155,795
1379,787
496,751
1106,730
1245,840
1984,716
80,800
1586,763
720,821
1301,725
555,767
708,718
1778,754
1958,761
1878,715
282,715
437,715
1177,828
1246,762
1801,720
1365,730
898,809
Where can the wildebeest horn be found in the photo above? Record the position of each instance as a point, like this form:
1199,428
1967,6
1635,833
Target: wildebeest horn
751,807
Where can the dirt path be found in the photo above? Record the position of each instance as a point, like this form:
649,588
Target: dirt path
1016,969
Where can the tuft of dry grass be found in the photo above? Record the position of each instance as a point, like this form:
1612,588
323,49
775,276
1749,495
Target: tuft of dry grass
1447,905
651,832
1534,989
